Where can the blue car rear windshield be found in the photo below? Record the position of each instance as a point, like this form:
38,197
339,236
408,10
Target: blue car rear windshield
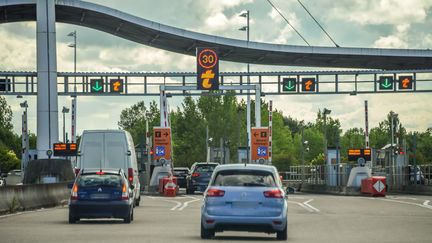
106,180
244,178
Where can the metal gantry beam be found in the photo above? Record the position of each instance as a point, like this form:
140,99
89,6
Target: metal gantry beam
348,82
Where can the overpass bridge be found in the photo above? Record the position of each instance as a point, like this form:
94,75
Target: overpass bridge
47,12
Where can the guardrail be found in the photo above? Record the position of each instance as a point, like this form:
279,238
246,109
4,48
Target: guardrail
25,197
399,178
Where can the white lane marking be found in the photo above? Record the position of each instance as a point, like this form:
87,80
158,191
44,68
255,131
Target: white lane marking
426,203
178,204
303,206
407,198
409,203
310,206
32,211
185,204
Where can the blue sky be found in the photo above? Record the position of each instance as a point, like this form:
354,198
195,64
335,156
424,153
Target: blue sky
352,23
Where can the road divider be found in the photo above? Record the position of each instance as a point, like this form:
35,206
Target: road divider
32,196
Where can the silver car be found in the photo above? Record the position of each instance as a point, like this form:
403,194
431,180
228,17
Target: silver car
244,198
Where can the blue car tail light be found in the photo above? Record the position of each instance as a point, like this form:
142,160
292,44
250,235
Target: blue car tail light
213,192
275,193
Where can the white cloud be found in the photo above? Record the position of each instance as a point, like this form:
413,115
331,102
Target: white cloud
375,12
399,39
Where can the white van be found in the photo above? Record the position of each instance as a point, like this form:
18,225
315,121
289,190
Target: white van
109,149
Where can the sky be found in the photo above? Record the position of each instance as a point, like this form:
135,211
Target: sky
351,23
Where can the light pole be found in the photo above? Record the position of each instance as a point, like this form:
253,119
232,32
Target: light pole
24,138
148,148
64,111
248,101
74,103
325,113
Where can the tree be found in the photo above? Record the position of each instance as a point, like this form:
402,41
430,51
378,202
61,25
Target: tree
332,127
5,115
133,119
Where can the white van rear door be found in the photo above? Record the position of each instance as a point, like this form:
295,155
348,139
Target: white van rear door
92,151
115,150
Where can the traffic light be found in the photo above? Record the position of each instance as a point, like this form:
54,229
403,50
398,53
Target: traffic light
289,84
308,84
116,85
96,85
386,83
405,82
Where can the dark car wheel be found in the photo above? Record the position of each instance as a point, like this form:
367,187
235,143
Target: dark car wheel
129,218
282,235
72,219
206,233
137,202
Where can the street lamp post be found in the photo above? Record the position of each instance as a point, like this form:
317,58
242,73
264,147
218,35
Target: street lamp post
148,149
248,101
24,138
74,103
325,113
64,111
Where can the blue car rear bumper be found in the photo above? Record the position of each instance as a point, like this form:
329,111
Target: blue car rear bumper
92,209
244,223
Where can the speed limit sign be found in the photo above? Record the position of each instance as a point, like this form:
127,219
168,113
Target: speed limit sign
207,69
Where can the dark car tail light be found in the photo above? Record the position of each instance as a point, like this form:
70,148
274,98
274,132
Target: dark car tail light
275,193
74,193
77,170
125,195
215,192
130,175
195,174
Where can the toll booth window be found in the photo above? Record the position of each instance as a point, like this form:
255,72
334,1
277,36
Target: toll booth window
244,178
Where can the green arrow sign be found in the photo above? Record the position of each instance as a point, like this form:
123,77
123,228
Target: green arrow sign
289,84
386,83
96,85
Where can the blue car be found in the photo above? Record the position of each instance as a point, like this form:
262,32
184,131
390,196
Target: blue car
101,194
199,176
244,198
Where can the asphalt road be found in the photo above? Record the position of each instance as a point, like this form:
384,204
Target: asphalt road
312,218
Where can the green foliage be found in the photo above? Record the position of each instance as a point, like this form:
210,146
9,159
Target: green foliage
225,117
133,120
8,160
5,115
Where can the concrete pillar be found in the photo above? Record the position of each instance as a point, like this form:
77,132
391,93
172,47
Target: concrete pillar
47,103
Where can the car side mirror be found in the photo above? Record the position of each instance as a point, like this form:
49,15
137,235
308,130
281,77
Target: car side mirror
129,153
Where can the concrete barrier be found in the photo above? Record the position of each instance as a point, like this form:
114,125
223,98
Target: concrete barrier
25,197
335,190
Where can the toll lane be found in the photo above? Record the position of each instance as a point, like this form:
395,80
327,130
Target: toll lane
311,218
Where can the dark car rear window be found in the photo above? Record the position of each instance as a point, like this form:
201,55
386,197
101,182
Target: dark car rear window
204,168
93,180
244,178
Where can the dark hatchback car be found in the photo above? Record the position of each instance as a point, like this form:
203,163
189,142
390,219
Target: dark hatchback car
199,176
101,194
181,173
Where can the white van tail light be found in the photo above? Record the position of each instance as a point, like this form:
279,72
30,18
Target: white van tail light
130,175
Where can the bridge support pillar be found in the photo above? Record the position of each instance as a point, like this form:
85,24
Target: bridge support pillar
47,100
